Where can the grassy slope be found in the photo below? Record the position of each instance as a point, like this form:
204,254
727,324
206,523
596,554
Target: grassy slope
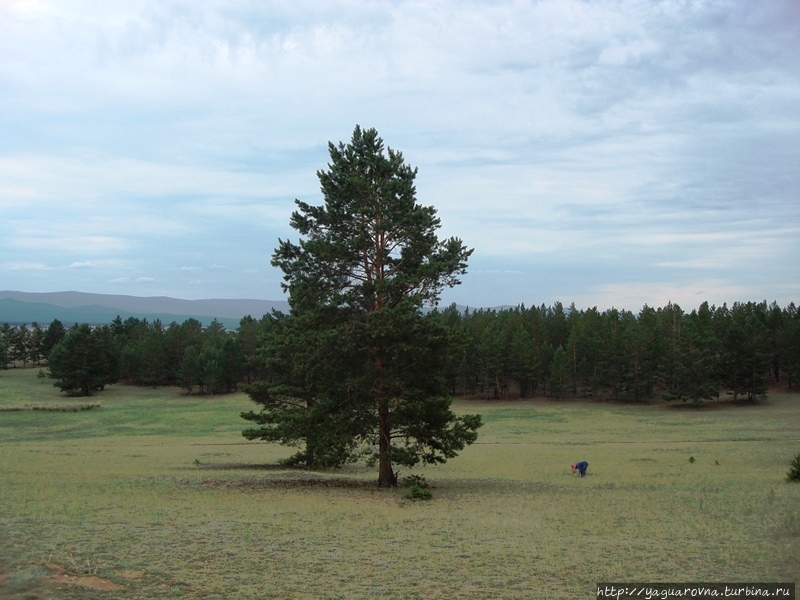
117,493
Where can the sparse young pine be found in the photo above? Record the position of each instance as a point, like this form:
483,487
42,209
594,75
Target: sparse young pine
358,368
794,469
415,492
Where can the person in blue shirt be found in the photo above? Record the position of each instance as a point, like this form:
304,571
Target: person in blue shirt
580,467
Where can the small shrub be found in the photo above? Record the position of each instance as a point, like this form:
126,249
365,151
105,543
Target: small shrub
691,459
417,493
794,469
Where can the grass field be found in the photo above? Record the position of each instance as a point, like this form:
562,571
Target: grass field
156,495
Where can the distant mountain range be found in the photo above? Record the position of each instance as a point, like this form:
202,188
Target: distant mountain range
97,309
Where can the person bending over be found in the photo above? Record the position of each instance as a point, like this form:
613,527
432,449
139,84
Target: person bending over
580,468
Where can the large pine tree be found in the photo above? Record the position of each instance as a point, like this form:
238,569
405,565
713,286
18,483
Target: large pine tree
358,368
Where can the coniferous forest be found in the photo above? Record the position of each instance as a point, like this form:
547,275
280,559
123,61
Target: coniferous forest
729,352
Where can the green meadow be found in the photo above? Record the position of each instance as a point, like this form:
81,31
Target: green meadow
154,494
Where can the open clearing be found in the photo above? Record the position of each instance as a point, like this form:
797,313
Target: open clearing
157,495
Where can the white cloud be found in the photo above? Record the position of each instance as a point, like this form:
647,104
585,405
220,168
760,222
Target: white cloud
23,265
79,244
689,294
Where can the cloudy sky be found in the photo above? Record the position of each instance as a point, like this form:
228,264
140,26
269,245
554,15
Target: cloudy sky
607,153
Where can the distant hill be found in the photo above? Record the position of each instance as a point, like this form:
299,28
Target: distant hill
96,309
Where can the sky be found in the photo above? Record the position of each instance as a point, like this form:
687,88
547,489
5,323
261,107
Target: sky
604,153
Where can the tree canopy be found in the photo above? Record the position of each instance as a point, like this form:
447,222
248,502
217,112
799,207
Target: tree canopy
82,361
354,370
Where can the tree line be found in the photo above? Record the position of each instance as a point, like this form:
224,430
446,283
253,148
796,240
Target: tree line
619,355
83,358
520,352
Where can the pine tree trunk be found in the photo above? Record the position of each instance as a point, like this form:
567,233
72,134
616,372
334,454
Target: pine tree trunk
386,477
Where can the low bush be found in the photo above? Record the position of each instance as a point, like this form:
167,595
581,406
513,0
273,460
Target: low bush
794,469
417,493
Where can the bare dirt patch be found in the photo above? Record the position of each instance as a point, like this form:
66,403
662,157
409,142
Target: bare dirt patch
61,575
